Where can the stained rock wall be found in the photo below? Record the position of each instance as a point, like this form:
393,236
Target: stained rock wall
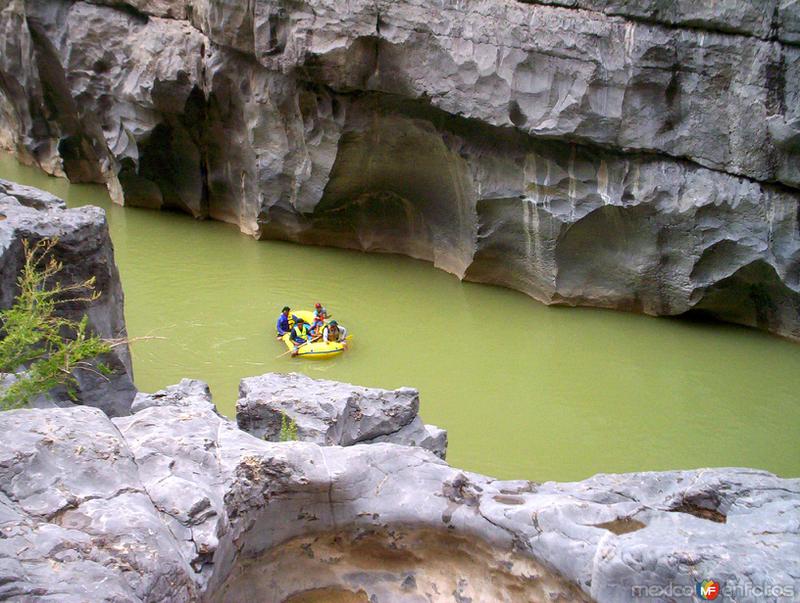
175,502
589,152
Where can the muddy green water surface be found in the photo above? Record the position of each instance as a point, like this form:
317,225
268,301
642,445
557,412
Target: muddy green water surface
562,394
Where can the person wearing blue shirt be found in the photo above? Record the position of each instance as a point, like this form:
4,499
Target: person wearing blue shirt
285,321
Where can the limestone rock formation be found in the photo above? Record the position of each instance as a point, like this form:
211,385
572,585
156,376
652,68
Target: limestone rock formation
331,413
640,156
85,248
30,196
768,19
76,520
189,392
174,502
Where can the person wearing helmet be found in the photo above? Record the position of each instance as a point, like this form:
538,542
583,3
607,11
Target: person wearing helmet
334,332
285,321
321,313
320,316
300,333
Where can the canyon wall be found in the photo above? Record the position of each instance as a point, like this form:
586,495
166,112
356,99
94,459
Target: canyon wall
590,152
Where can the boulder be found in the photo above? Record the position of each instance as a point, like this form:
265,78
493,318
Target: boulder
85,248
331,413
76,521
175,502
30,196
416,433
188,392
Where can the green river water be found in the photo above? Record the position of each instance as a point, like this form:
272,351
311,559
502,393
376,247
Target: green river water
566,393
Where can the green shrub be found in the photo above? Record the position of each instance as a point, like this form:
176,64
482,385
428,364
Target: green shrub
288,429
35,339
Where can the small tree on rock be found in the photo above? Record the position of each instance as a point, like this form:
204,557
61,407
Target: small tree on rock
36,340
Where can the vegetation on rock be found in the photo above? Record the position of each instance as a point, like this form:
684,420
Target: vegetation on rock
43,347
288,429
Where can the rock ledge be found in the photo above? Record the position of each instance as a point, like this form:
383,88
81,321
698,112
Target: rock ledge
175,502
331,413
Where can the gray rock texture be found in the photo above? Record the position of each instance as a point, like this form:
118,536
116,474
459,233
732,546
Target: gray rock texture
189,392
85,248
29,196
330,413
174,502
641,156
767,19
76,520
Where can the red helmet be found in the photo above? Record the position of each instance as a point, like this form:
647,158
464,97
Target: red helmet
318,305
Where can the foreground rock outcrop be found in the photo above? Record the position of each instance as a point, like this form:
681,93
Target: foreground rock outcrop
331,413
642,157
76,519
174,502
85,248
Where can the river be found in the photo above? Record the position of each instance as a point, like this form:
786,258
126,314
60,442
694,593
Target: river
525,390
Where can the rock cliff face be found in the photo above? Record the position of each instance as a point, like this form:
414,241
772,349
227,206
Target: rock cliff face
85,248
176,503
590,152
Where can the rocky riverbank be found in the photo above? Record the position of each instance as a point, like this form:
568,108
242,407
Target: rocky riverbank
588,152
175,502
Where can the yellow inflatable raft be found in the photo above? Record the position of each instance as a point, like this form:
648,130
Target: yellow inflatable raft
318,350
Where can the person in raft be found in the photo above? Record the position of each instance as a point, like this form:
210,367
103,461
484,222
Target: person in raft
285,321
320,316
300,333
333,332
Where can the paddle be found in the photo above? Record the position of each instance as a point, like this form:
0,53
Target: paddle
292,350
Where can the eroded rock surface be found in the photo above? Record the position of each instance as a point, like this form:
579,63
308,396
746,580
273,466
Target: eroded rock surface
331,413
399,564
85,248
189,392
641,156
174,502
767,19
29,196
77,524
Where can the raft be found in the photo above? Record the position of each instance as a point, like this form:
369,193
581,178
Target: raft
318,350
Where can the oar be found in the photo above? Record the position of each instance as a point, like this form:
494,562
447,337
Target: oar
292,350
